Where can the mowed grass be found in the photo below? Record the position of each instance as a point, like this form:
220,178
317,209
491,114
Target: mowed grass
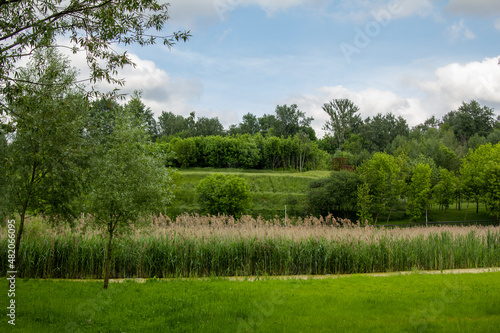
357,303
271,190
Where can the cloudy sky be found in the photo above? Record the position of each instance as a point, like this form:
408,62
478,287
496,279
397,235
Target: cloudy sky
415,58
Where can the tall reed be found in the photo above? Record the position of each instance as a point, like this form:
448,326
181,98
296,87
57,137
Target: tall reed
197,246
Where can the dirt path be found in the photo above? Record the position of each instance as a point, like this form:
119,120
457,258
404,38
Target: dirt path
311,277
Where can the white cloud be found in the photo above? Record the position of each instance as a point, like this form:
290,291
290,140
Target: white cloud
456,83
277,5
371,101
189,12
474,8
445,91
161,92
459,31
415,7
359,11
497,24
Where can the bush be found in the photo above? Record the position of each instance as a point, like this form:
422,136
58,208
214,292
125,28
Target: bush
185,152
224,194
336,194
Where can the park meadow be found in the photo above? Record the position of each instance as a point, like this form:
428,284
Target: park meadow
189,263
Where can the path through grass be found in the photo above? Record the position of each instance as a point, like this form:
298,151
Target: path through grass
411,303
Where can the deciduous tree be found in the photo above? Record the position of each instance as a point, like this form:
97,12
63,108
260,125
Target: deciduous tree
480,176
337,194
125,182
344,119
250,124
445,190
419,190
383,176
290,120
469,119
208,126
44,160
143,114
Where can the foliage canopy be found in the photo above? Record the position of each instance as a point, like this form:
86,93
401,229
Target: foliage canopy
125,181
44,159
92,26
336,194
224,194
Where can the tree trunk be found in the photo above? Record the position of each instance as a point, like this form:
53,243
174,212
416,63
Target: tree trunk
17,260
18,241
477,205
390,212
108,256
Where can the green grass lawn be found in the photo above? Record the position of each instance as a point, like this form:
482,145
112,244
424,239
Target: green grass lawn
398,303
293,173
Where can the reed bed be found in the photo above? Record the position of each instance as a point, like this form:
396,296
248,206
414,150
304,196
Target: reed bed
201,246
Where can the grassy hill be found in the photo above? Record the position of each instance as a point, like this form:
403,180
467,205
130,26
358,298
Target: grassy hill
271,190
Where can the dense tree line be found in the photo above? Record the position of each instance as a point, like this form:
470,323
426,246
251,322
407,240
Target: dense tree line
398,167
286,122
446,141
385,182
247,151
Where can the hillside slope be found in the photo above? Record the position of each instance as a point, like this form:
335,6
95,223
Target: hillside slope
271,190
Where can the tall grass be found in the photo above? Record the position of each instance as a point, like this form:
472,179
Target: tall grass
197,246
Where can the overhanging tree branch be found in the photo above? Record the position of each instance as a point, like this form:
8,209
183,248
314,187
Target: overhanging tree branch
91,25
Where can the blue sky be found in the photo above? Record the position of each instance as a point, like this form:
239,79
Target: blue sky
415,58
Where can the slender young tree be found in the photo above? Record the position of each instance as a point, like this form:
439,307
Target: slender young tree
419,191
444,191
481,176
383,176
143,114
364,203
125,181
